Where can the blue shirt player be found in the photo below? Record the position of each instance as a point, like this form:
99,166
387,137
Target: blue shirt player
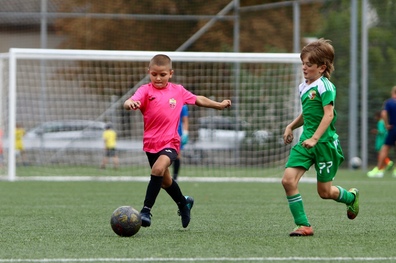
389,116
183,132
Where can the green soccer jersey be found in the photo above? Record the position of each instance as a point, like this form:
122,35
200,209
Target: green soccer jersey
313,98
382,132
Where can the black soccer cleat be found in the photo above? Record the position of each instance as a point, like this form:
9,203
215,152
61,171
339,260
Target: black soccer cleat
146,219
185,211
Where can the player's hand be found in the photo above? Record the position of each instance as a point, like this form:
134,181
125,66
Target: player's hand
225,104
288,136
309,143
132,105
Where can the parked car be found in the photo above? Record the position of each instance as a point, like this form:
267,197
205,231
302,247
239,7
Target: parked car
67,130
66,134
219,129
226,129
73,134
222,134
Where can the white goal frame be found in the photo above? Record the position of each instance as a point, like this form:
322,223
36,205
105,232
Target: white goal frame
16,54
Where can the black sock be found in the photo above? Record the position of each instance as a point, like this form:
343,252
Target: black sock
175,192
176,168
152,192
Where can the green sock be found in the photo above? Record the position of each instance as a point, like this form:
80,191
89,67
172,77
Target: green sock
297,209
345,196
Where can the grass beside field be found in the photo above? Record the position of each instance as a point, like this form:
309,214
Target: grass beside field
231,221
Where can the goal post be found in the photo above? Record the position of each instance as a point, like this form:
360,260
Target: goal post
3,99
62,99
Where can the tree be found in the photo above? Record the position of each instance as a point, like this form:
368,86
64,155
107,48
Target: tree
260,31
382,58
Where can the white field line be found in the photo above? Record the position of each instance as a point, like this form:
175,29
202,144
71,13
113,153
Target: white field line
146,179
222,259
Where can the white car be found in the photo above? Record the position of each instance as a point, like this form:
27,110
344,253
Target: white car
74,134
67,130
218,129
65,134
218,132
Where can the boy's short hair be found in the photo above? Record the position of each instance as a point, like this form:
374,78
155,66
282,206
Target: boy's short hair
109,125
161,60
320,52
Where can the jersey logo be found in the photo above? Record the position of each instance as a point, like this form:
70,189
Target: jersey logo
312,95
168,151
172,103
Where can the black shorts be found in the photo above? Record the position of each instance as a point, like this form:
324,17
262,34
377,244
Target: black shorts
153,157
390,139
111,152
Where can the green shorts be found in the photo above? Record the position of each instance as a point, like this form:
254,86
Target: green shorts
326,156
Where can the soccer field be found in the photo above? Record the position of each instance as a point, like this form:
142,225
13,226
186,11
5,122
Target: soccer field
246,221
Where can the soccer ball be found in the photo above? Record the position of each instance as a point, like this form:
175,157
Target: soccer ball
356,162
125,221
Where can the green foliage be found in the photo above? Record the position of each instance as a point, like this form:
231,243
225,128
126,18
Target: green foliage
265,30
385,11
381,57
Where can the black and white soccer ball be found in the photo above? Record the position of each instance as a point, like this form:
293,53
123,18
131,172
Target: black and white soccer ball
356,162
125,221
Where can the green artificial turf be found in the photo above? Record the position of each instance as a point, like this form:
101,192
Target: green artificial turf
46,221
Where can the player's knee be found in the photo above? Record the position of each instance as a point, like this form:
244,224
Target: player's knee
157,170
288,183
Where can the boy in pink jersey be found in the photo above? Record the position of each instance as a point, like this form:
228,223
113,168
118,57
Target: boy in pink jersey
161,103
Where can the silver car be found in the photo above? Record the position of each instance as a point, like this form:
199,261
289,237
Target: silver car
70,133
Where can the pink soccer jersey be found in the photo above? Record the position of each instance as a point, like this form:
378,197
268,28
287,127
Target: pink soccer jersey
161,110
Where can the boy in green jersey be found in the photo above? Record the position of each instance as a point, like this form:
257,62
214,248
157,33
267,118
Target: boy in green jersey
318,144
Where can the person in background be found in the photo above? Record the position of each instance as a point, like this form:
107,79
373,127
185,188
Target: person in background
19,146
183,132
381,132
161,103
388,114
110,142
318,144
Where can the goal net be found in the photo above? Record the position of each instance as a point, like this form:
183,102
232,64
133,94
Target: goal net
57,102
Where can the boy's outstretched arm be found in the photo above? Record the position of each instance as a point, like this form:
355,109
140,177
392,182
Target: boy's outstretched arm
203,101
